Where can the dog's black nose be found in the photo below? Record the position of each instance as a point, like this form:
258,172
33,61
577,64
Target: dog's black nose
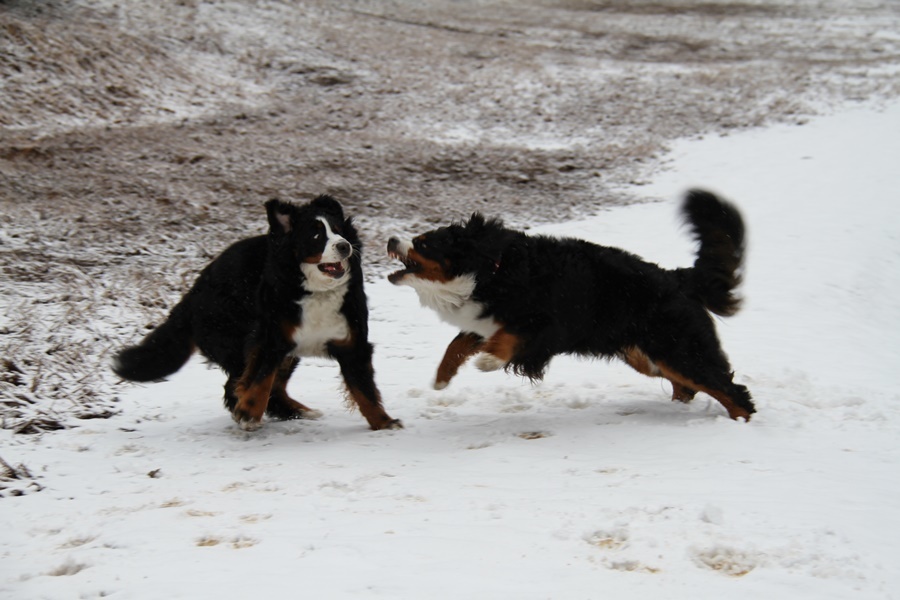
343,248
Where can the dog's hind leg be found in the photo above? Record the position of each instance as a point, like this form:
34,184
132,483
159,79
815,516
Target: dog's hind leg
255,385
697,363
458,352
681,393
641,363
253,398
231,398
734,397
281,405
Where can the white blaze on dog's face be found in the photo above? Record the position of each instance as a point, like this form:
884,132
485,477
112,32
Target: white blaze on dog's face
436,288
449,296
423,259
421,272
330,268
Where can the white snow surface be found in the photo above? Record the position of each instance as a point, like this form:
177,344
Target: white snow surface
591,484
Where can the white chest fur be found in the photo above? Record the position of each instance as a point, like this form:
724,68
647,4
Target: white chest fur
320,322
453,303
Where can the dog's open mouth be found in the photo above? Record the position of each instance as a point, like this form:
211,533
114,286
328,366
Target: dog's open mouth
410,266
335,270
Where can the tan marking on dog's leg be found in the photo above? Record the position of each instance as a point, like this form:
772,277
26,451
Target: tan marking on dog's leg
682,393
498,350
458,352
355,361
372,411
252,402
279,396
279,391
301,410
641,363
734,411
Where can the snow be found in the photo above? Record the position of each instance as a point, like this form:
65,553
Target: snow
591,484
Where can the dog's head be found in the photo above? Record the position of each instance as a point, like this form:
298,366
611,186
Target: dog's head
473,249
317,237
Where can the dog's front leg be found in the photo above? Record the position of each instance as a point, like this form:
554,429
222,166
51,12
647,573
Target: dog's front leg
355,362
458,352
498,350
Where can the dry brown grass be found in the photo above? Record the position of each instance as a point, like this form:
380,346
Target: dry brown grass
16,480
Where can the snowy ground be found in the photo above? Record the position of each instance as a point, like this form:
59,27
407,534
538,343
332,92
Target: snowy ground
589,485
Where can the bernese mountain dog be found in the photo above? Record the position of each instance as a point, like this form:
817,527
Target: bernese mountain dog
519,300
264,303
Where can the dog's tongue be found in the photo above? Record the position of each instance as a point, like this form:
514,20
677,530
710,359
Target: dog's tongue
332,269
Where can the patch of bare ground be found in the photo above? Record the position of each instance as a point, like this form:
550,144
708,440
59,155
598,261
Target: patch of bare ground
138,139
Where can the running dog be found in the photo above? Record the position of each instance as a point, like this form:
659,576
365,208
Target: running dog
519,300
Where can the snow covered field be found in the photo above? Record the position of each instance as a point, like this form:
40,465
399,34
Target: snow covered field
589,485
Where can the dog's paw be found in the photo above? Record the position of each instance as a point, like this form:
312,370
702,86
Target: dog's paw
290,410
250,425
488,362
439,385
246,423
310,413
388,424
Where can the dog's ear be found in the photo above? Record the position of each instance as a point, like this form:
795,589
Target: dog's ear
328,205
279,214
475,222
349,232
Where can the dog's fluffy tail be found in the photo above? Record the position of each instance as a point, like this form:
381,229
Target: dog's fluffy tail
719,229
162,352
